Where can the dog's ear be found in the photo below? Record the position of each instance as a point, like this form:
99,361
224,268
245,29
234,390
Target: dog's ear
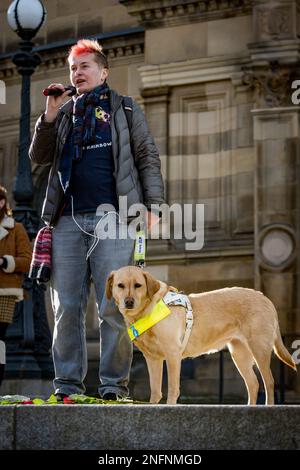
152,284
108,286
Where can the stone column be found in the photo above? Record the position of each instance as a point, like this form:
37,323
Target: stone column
274,58
276,136
156,103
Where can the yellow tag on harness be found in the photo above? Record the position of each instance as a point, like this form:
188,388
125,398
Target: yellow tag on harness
140,248
139,327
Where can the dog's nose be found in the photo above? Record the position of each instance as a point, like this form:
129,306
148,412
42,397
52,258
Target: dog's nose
129,302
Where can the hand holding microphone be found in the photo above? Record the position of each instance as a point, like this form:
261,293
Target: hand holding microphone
56,93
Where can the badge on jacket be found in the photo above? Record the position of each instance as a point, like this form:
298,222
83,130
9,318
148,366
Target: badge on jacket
101,114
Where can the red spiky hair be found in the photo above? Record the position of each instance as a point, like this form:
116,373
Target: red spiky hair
86,46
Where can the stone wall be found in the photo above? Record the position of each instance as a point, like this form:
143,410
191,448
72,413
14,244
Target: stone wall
214,80
131,427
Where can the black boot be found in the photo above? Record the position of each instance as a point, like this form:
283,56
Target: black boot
2,367
3,328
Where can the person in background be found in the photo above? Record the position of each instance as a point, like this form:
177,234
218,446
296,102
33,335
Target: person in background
15,258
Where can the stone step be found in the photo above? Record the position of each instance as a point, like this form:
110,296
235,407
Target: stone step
160,427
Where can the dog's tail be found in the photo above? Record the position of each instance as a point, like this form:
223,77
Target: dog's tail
281,351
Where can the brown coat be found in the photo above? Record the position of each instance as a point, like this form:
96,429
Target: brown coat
16,248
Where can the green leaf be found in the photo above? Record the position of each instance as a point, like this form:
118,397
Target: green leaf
38,401
52,400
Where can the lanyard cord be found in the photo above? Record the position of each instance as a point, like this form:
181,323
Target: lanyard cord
94,235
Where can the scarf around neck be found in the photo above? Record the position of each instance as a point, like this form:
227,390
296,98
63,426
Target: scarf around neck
84,119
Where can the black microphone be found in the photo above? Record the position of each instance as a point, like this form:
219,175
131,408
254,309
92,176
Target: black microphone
58,91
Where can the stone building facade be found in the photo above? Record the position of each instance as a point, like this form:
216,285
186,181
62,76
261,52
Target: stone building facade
214,78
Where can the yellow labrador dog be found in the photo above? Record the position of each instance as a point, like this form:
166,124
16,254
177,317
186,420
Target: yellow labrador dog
242,319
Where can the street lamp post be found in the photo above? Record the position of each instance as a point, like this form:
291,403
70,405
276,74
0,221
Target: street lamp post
28,338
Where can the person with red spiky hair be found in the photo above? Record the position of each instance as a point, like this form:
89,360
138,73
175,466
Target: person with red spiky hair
99,148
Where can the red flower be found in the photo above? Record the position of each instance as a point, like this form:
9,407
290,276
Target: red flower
29,402
68,401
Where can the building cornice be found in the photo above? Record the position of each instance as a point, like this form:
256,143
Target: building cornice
193,71
186,257
124,46
160,13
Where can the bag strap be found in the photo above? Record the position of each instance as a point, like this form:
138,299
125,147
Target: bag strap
127,106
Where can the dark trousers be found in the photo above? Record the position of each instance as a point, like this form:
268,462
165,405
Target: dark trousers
3,328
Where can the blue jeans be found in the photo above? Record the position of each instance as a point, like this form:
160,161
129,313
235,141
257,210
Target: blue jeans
70,285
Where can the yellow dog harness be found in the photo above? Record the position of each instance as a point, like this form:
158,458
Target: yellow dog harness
161,311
